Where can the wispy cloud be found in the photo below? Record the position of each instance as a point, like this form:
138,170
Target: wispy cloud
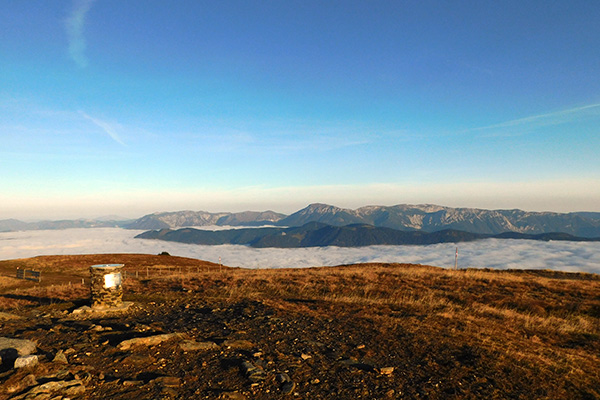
74,25
105,126
540,120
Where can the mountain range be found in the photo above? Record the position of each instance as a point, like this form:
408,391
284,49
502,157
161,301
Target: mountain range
203,218
428,218
12,225
317,234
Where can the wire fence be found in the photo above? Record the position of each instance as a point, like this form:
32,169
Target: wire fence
29,275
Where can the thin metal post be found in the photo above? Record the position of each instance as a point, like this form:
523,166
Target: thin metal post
456,259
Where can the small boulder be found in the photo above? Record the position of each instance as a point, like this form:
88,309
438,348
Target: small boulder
60,358
26,361
253,372
386,370
287,385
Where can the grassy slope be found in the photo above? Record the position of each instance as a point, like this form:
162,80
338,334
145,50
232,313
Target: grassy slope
448,334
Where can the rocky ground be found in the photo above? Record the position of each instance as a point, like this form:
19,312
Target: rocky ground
356,332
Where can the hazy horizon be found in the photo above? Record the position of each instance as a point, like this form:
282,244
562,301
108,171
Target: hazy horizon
133,107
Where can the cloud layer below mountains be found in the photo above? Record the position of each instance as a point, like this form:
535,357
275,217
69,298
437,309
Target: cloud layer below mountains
490,253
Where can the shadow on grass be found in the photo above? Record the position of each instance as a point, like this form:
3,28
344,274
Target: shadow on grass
43,300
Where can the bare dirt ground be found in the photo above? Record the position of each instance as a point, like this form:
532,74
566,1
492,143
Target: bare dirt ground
370,331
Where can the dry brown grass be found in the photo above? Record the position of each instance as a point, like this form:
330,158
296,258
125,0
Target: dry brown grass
543,324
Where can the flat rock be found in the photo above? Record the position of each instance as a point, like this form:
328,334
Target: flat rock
81,310
192,345
70,388
103,310
149,340
232,396
23,347
138,359
133,383
238,344
168,381
15,384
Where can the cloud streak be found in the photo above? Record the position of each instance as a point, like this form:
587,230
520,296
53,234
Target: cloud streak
106,127
491,253
74,25
547,119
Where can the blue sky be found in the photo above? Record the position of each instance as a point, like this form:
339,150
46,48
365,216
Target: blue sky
131,107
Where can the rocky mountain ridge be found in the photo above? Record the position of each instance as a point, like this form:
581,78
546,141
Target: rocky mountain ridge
12,225
406,217
164,220
432,218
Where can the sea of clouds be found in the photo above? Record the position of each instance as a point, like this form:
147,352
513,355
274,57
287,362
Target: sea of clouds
489,253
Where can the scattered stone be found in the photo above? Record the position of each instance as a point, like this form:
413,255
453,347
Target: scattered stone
238,344
168,381
149,340
133,383
102,311
70,350
43,391
287,385
232,396
26,361
60,358
29,380
283,377
305,356
85,377
253,372
16,384
62,375
81,310
386,370
97,328
192,345
169,392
